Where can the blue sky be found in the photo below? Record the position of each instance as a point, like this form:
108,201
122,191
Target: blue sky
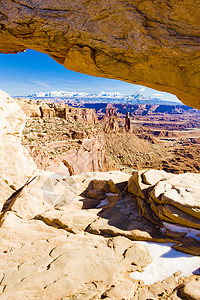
30,72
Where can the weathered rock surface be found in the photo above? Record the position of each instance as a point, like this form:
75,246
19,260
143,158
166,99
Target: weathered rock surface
173,287
44,260
173,198
74,114
90,157
191,289
30,108
50,242
15,163
54,240
145,42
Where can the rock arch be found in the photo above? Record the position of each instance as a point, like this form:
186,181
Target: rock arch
153,43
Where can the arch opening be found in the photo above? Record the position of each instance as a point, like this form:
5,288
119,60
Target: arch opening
164,134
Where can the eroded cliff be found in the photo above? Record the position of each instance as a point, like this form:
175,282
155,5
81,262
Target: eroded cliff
153,43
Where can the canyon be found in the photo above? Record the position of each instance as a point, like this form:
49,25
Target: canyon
83,236
164,137
91,208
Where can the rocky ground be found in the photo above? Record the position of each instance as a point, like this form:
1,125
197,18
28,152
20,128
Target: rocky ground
87,236
78,242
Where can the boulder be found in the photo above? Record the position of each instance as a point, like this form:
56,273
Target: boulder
96,194
181,190
162,196
71,220
151,177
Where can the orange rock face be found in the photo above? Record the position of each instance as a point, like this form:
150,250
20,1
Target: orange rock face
69,113
153,43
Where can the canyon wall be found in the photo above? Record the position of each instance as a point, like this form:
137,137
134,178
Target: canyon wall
152,43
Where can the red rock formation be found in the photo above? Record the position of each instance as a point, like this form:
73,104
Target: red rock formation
69,113
128,123
111,111
111,124
47,112
90,157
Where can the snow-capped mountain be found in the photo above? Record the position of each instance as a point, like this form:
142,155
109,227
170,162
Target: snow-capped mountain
109,97
62,94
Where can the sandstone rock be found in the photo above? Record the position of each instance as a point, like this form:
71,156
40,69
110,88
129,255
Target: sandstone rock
111,125
54,253
181,191
158,43
135,185
122,291
151,176
191,289
85,115
100,185
164,196
112,187
44,260
47,190
90,157
12,119
40,194
123,220
159,289
96,194
189,246
30,109
111,111
179,217
71,220
15,163
6,192
128,123
47,112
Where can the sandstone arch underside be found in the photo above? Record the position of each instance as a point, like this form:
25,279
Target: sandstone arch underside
155,43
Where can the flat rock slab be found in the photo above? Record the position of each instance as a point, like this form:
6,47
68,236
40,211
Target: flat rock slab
182,190
44,261
47,190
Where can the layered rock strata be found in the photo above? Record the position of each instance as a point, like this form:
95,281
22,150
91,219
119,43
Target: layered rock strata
164,197
152,43
73,236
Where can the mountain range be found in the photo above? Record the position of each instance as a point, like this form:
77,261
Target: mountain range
108,97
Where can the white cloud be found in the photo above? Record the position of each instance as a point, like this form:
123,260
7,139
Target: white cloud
41,83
